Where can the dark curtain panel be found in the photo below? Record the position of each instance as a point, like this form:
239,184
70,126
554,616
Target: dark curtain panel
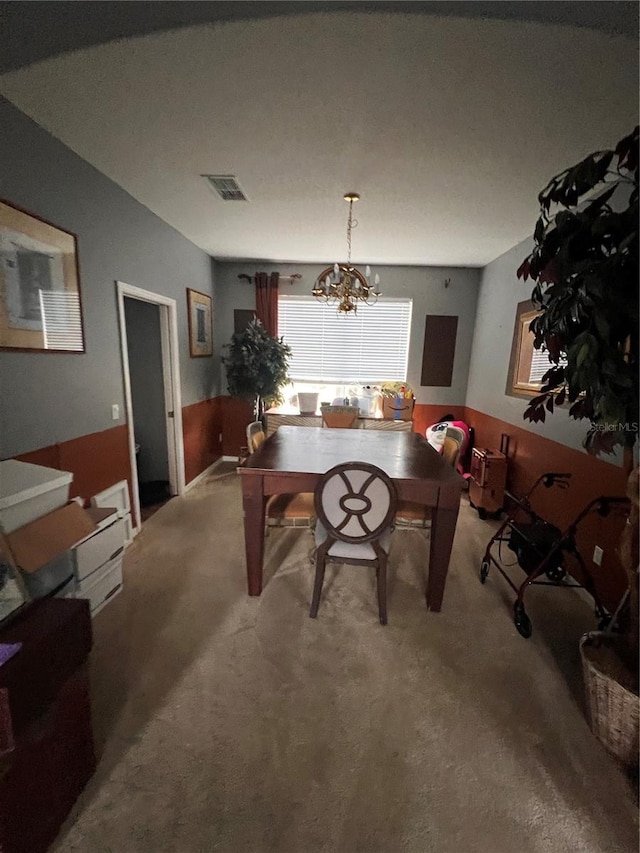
267,301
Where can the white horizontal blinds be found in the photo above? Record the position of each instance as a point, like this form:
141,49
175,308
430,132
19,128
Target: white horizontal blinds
372,346
61,322
540,364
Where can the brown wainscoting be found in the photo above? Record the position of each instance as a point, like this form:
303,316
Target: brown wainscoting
531,455
202,427
97,460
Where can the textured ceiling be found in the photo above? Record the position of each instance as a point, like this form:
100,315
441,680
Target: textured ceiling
447,127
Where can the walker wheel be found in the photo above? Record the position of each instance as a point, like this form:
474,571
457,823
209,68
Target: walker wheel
556,574
521,620
484,571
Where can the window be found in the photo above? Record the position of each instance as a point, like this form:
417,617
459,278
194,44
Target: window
528,365
370,347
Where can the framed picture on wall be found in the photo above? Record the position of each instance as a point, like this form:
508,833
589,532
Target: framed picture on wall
40,305
200,324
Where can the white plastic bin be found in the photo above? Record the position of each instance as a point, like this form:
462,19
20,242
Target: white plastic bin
29,491
367,404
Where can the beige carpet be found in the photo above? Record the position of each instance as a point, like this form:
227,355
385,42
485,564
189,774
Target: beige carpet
228,723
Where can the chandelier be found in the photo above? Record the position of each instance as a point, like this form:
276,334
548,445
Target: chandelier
343,285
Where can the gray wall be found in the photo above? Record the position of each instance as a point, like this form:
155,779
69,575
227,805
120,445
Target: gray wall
147,389
425,285
500,292
49,398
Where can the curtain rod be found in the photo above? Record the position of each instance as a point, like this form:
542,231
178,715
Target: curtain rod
289,278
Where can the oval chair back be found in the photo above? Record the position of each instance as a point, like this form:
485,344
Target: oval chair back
355,504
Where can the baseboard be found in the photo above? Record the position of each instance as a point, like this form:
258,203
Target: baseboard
205,473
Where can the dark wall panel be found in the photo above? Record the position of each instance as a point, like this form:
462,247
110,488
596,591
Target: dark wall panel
439,349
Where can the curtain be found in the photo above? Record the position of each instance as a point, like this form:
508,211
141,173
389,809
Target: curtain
267,301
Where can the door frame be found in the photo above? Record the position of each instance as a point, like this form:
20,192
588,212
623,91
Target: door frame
171,380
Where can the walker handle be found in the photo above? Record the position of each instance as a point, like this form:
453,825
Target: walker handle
555,479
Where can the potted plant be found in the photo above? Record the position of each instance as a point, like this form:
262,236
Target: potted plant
257,366
585,268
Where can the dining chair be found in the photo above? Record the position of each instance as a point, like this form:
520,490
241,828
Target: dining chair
255,435
451,450
409,514
339,417
286,510
355,504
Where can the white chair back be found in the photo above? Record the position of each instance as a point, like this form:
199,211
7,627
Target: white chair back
355,502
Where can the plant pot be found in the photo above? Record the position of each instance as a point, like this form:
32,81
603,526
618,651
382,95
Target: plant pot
612,706
308,403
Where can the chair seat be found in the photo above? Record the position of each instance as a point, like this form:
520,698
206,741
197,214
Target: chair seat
291,510
409,514
352,550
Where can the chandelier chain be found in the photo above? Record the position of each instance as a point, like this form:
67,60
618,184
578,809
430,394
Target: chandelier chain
351,223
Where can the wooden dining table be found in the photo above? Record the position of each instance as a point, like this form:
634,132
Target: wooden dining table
293,458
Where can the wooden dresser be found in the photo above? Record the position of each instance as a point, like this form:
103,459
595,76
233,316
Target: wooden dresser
48,720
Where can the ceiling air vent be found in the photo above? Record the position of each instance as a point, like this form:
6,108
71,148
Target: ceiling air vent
227,187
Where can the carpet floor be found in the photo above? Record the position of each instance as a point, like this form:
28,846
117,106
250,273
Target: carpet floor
232,724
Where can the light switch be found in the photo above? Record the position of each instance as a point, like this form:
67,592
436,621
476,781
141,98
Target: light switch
115,412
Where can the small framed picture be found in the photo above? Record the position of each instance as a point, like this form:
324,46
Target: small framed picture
200,324
40,306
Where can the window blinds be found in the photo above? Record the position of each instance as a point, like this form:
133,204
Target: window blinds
370,347
540,364
61,320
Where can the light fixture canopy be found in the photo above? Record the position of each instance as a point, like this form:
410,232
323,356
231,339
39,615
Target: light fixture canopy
344,285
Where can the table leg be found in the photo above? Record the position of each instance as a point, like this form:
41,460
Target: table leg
443,526
253,504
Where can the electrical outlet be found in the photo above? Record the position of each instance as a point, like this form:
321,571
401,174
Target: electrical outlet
115,412
597,555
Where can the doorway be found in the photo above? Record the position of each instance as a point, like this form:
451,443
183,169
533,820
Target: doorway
149,348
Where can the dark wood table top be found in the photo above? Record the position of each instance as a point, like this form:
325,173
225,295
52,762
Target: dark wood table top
313,450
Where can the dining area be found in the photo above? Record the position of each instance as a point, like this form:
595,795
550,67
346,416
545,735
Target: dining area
231,721
356,512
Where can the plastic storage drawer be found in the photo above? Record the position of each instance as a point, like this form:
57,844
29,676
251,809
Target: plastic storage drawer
102,585
100,547
28,492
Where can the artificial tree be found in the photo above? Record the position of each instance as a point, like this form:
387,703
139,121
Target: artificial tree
585,268
257,366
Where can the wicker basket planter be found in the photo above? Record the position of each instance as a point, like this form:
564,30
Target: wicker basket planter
612,707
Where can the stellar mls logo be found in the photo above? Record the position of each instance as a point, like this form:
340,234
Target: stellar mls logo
626,427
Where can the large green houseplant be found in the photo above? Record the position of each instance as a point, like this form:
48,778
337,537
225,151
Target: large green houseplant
585,271
257,366
585,268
